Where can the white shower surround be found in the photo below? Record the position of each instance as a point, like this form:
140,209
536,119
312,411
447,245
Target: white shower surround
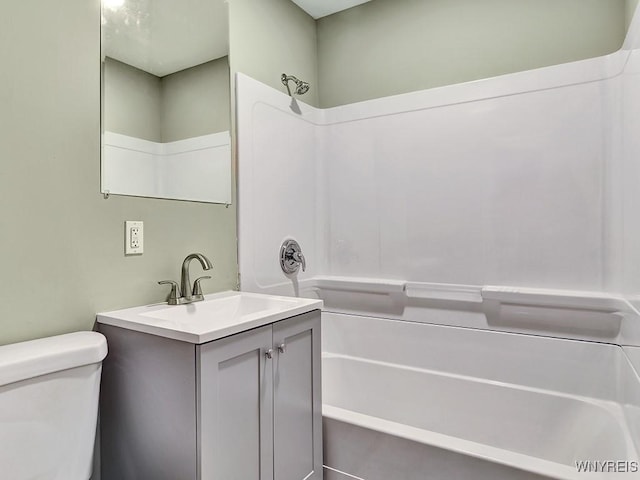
505,204
473,184
524,181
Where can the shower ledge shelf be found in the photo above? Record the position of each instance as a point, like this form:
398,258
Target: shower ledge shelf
359,284
574,299
555,298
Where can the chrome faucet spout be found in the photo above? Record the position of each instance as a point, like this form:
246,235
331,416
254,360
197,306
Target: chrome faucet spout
187,292
184,293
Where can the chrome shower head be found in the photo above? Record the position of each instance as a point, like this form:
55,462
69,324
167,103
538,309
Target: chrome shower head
301,87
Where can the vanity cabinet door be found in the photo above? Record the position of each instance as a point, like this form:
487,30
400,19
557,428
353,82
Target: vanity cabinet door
297,404
235,407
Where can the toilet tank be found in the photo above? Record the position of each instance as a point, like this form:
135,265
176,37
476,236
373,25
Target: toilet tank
49,391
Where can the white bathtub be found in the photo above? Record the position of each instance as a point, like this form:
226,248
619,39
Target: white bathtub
415,401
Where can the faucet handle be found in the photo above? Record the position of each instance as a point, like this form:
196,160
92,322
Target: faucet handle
174,295
197,289
291,257
299,257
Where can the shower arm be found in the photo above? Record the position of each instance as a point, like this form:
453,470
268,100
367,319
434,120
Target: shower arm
285,80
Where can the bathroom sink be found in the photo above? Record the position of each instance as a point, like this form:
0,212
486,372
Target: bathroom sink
217,316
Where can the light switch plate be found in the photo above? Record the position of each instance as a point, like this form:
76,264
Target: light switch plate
133,237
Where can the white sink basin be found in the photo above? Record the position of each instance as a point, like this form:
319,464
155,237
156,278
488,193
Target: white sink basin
217,316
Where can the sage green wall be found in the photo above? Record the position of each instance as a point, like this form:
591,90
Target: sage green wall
270,37
134,106
387,47
196,101
61,243
630,8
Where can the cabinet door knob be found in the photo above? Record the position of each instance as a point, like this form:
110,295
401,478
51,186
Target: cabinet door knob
269,353
282,348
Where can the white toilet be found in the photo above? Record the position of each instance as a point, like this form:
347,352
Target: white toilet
49,391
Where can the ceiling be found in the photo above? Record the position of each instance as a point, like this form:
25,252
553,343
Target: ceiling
322,8
165,36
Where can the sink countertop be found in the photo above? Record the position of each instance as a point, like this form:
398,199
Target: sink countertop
218,315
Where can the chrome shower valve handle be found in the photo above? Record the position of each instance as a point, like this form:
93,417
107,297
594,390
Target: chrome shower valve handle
299,257
291,257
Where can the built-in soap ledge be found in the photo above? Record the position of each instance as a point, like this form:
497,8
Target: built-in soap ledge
414,290
360,284
554,298
444,292
566,313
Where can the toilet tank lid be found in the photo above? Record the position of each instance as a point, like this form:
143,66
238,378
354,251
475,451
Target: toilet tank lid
24,360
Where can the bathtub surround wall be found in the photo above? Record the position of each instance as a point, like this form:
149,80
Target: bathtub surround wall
434,196
470,189
62,243
294,204
384,47
466,178
269,37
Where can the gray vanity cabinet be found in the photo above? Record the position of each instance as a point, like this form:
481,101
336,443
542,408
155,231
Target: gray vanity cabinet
267,424
254,410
